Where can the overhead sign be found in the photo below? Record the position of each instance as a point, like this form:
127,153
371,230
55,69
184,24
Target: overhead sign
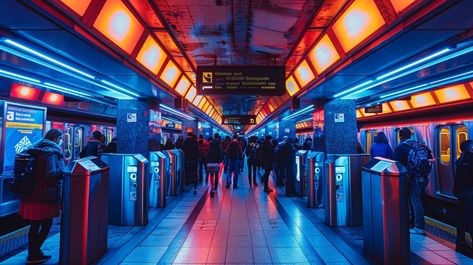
23,126
239,120
259,80
374,109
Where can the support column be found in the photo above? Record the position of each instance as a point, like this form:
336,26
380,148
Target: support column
287,128
133,131
190,126
208,132
338,134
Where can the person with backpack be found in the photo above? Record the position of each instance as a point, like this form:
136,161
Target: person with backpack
252,160
415,158
94,146
268,161
203,152
41,201
214,159
463,190
191,156
234,153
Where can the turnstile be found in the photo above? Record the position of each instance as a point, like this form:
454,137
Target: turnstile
343,205
385,211
157,187
316,184
128,189
301,180
84,218
173,173
179,182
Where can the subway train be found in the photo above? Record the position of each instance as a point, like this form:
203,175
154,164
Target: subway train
443,138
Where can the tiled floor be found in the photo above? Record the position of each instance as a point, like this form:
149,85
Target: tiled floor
241,226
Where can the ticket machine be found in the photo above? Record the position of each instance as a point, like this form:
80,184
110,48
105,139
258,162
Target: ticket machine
301,180
157,187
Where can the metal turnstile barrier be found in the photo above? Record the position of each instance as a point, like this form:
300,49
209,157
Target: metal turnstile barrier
301,181
179,182
385,211
84,218
173,173
316,184
343,205
157,187
128,189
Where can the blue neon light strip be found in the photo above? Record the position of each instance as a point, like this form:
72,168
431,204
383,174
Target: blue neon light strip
65,89
119,88
299,112
360,88
178,113
353,88
18,76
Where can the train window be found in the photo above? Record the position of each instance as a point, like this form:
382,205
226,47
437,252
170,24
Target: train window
445,145
68,144
369,140
462,135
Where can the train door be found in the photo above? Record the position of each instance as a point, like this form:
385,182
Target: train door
369,139
78,141
68,132
448,139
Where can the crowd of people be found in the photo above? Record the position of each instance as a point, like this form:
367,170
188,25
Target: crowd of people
206,158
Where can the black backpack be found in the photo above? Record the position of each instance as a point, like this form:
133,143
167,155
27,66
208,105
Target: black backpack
23,174
418,163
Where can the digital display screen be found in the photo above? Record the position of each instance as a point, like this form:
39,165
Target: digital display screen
239,119
374,109
24,126
260,80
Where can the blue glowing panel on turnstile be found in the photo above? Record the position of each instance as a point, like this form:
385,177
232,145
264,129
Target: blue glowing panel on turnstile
298,172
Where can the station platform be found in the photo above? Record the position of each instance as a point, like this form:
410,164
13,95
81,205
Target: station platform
243,226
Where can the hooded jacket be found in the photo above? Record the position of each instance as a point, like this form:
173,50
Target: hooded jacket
464,174
47,173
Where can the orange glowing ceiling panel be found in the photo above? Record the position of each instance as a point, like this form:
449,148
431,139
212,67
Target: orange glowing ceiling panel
304,74
118,24
291,86
453,93
78,6
324,54
191,94
358,114
183,86
422,100
151,55
208,110
205,107
386,108
197,100
202,102
170,74
360,20
270,107
400,5
399,105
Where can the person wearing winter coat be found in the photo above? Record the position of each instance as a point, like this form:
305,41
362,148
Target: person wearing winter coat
381,147
215,156
94,146
251,152
44,202
268,160
203,152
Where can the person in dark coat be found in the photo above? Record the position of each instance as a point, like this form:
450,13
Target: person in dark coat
203,152
251,152
94,146
112,146
234,154
215,156
44,202
463,190
279,162
288,165
381,147
169,145
191,157
268,160
179,142
307,144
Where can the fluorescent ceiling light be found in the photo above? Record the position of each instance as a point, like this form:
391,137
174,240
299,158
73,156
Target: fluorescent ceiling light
353,88
119,88
299,112
65,89
178,113
47,58
18,76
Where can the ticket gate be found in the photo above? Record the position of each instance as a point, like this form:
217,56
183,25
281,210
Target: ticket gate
316,184
157,187
128,189
385,211
343,205
84,218
173,172
179,183
301,180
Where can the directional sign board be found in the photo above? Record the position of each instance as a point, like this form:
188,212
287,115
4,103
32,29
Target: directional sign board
239,120
259,80
374,109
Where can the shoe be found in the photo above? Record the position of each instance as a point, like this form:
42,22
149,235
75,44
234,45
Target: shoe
417,231
235,186
212,193
228,186
38,259
268,190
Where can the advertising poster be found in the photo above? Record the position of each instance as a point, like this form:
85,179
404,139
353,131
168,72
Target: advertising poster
24,126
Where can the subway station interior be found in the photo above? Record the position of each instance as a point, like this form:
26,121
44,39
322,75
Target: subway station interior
236,132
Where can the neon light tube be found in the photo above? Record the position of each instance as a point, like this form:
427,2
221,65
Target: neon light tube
178,113
414,63
299,112
70,91
353,88
119,88
22,77
47,58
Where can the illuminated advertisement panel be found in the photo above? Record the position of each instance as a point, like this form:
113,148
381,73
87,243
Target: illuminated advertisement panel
23,125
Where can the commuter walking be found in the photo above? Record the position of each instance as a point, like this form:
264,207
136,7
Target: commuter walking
307,144
279,162
179,142
191,157
252,160
415,158
234,154
203,152
243,145
43,203
214,159
463,190
225,156
112,146
94,146
288,166
268,160
381,147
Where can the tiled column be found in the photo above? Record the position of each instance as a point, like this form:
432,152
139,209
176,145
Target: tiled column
287,128
133,126
339,127
190,125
